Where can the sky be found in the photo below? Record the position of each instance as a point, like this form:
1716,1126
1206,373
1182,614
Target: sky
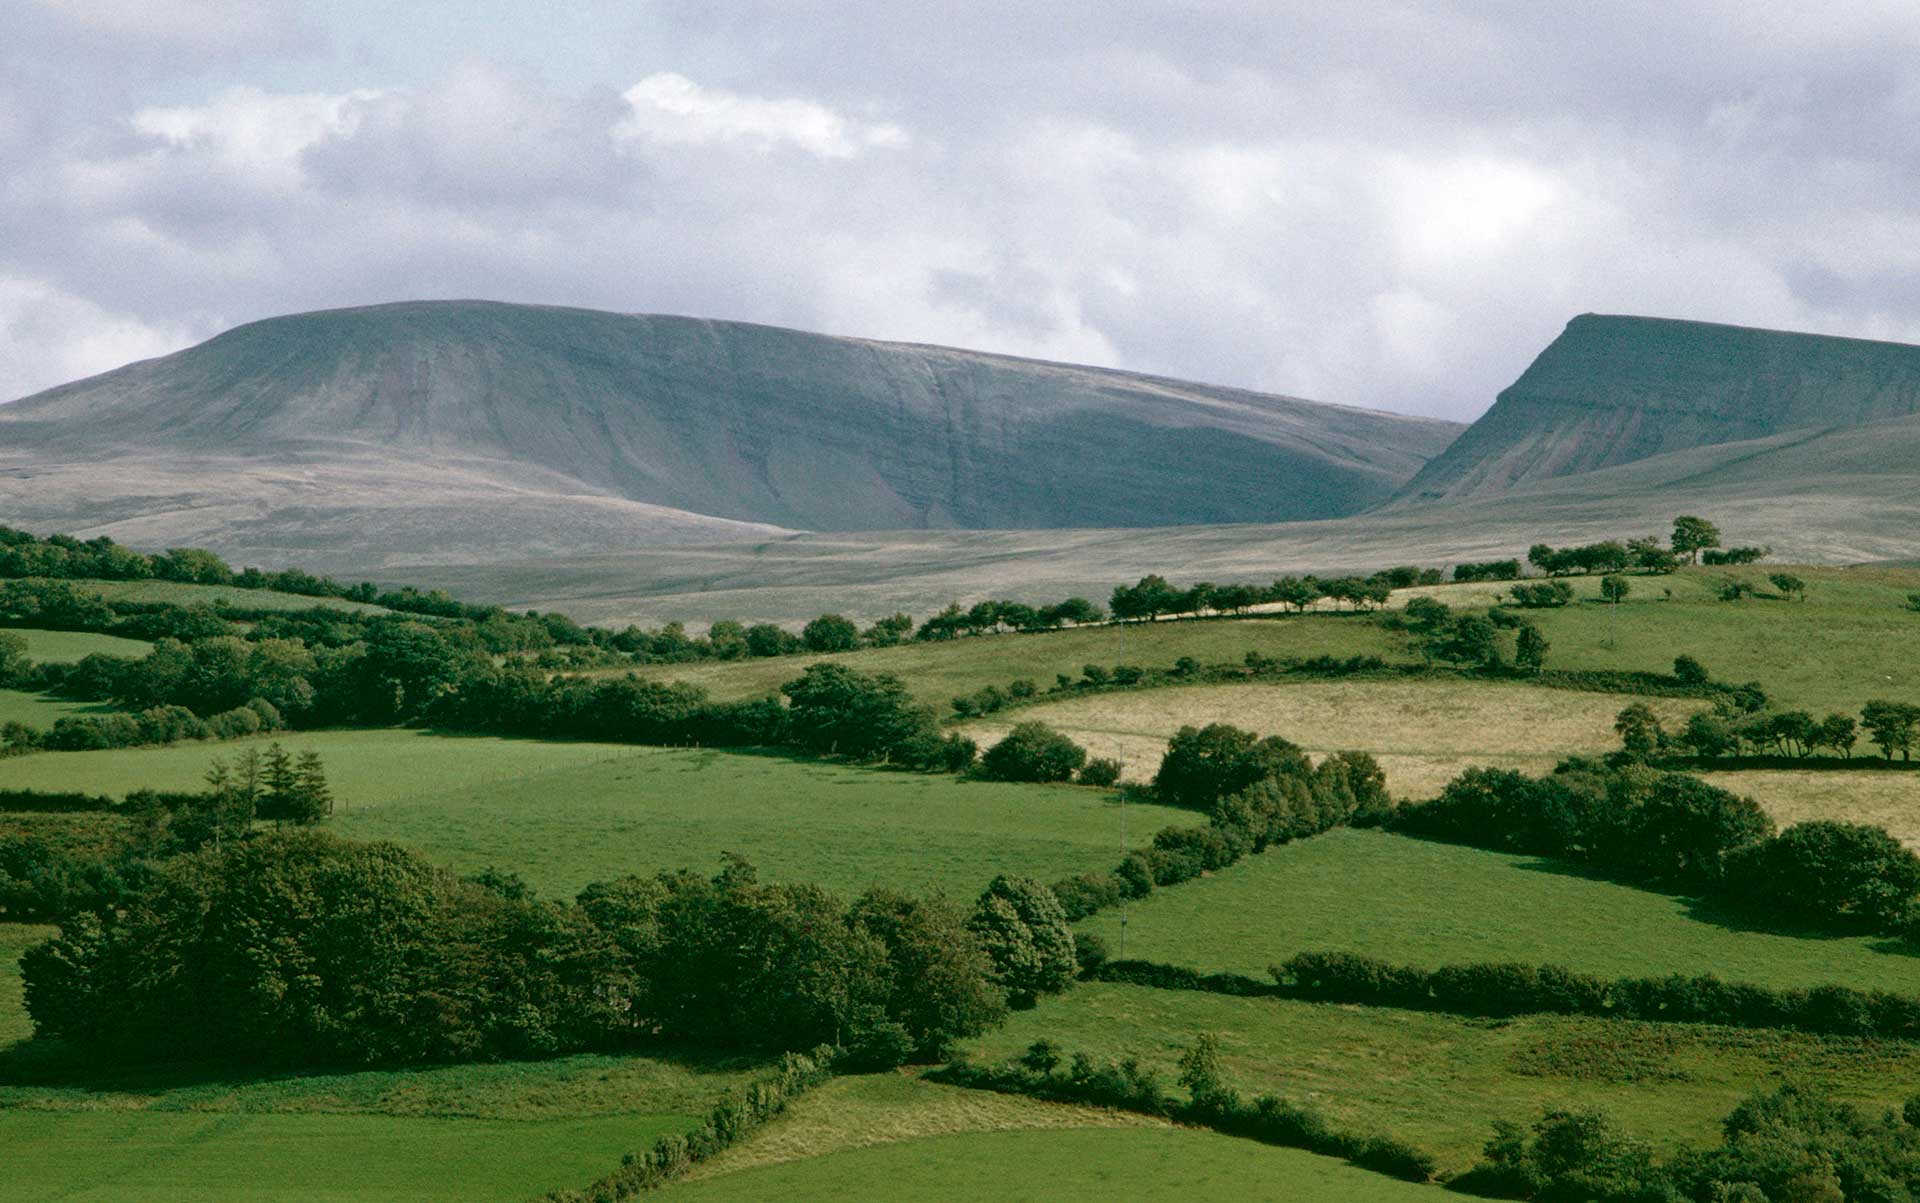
1394,205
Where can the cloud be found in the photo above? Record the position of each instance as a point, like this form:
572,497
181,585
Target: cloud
1395,208
49,337
670,109
255,135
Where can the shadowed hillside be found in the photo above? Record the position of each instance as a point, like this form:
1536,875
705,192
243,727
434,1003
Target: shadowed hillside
1612,390
445,428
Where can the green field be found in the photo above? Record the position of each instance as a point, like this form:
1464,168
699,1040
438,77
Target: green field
64,647
1829,652
15,938
181,594
1440,1081
935,672
1424,903
39,710
503,1131
1825,653
563,814
1088,1164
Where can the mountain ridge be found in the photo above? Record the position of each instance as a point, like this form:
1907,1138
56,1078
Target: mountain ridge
1614,388
736,422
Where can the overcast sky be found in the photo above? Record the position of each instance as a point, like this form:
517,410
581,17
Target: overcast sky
1385,204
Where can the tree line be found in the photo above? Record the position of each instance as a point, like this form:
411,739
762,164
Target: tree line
291,946
1893,727
1678,832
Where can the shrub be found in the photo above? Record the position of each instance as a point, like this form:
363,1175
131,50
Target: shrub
1023,929
1033,751
1101,771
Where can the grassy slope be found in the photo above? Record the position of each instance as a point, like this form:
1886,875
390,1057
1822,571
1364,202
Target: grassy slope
39,710
1424,732
181,594
1441,1081
64,647
936,672
1425,903
891,1137
1888,799
566,814
1829,652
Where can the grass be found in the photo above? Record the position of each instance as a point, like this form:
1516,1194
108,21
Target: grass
139,1157
182,594
1090,1163
1440,1081
563,815
936,672
15,938
857,1112
1423,903
1424,732
1833,651
65,647
1885,799
40,710
502,1131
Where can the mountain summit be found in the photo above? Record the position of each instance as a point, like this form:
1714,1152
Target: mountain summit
660,428
1613,390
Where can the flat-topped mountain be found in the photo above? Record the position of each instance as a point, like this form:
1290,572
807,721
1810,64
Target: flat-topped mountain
1612,390
485,423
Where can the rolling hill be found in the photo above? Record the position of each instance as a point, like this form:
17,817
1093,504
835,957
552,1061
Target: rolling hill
445,430
1613,390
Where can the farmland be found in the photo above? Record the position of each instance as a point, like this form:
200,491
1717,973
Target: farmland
1424,903
1424,732
1440,1081
565,814
64,647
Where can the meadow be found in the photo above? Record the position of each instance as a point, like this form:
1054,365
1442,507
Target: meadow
476,1132
181,593
65,647
40,710
936,672
1889,799
1440,1081
1420,902
1423,732
1019,1152
565,814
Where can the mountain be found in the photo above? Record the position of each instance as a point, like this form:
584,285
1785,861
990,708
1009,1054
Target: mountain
1612,390
430,431
1816,496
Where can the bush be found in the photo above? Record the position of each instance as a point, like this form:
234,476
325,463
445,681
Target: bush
1689,671
1101,771
1033,751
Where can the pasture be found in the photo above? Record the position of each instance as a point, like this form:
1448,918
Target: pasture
180,593
65,647
936,672
40,710
1423,732
1440,1081
1419,902
1889,799
1072,1165
565,814
476,1132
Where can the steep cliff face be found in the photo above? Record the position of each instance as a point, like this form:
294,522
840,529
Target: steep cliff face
1612,390
724,420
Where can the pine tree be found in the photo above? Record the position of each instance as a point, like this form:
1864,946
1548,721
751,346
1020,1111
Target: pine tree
313,800
281,782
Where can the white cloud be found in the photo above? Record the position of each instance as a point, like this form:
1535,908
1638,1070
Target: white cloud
670,109
256,135
49,337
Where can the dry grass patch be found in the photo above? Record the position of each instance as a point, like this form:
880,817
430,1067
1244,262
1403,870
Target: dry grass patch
1423,732
854,1113
1890,800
